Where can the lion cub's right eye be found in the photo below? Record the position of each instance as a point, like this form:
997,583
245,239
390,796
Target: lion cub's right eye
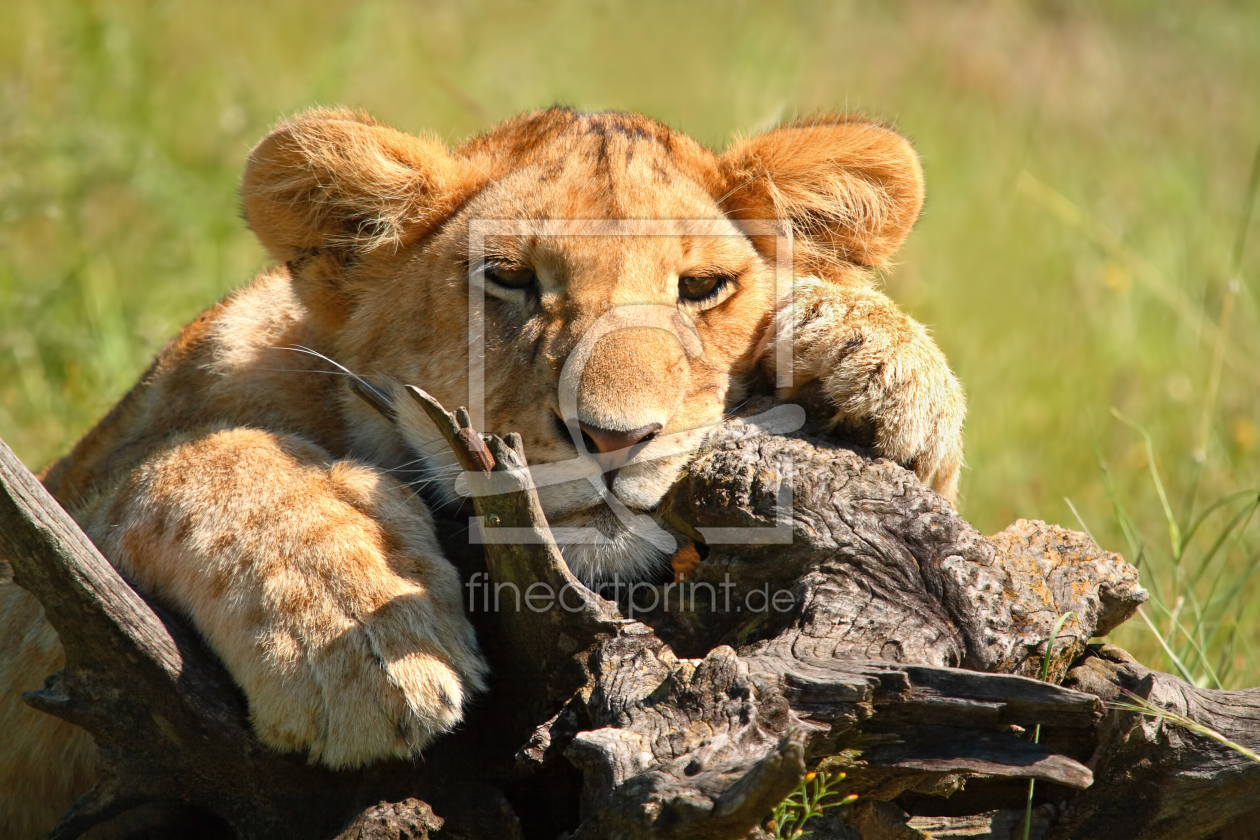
510,276
701,287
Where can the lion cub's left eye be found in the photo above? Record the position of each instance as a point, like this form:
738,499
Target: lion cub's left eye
511,277
701,287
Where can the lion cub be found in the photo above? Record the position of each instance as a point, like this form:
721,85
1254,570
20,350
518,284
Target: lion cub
599,283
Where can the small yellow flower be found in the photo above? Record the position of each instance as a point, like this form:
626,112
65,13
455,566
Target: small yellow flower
1244,434
1115,278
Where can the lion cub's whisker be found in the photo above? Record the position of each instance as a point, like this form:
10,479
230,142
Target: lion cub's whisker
304,370
298,348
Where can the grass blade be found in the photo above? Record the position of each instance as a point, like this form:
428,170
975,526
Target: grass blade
1045,677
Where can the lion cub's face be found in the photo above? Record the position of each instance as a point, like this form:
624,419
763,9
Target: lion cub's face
584,280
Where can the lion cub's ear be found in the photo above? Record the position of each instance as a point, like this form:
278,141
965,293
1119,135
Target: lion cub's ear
339,180
850,188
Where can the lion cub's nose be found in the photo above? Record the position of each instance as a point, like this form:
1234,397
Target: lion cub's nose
611,440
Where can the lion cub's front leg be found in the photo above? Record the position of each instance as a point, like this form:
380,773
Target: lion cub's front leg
318,582
878,365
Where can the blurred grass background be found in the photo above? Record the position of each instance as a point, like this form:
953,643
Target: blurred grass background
1081,259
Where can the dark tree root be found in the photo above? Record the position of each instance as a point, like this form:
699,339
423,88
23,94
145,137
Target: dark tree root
900,649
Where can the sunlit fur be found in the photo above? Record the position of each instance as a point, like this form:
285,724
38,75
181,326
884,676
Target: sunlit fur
243,485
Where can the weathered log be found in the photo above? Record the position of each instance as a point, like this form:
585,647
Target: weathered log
704,747
1154,779
614,720
410,819
674,748
1176,782
885,569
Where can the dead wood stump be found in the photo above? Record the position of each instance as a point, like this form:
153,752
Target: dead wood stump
898,648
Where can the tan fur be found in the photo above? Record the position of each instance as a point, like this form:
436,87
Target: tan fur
242,484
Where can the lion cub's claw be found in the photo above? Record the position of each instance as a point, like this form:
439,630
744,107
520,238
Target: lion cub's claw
879,366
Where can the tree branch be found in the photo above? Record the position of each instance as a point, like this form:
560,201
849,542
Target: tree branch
683,720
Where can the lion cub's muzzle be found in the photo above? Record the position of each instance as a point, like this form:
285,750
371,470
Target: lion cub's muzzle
632,384
610,448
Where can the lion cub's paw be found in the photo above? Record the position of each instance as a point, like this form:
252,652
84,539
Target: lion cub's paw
372,660
378,687
879,366
319,583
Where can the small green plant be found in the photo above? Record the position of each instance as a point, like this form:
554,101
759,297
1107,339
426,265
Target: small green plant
1045,677
815,794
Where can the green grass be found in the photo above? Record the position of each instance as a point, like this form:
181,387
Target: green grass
819,792
1087,168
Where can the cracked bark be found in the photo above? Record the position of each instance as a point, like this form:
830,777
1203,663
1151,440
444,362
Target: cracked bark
901,655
